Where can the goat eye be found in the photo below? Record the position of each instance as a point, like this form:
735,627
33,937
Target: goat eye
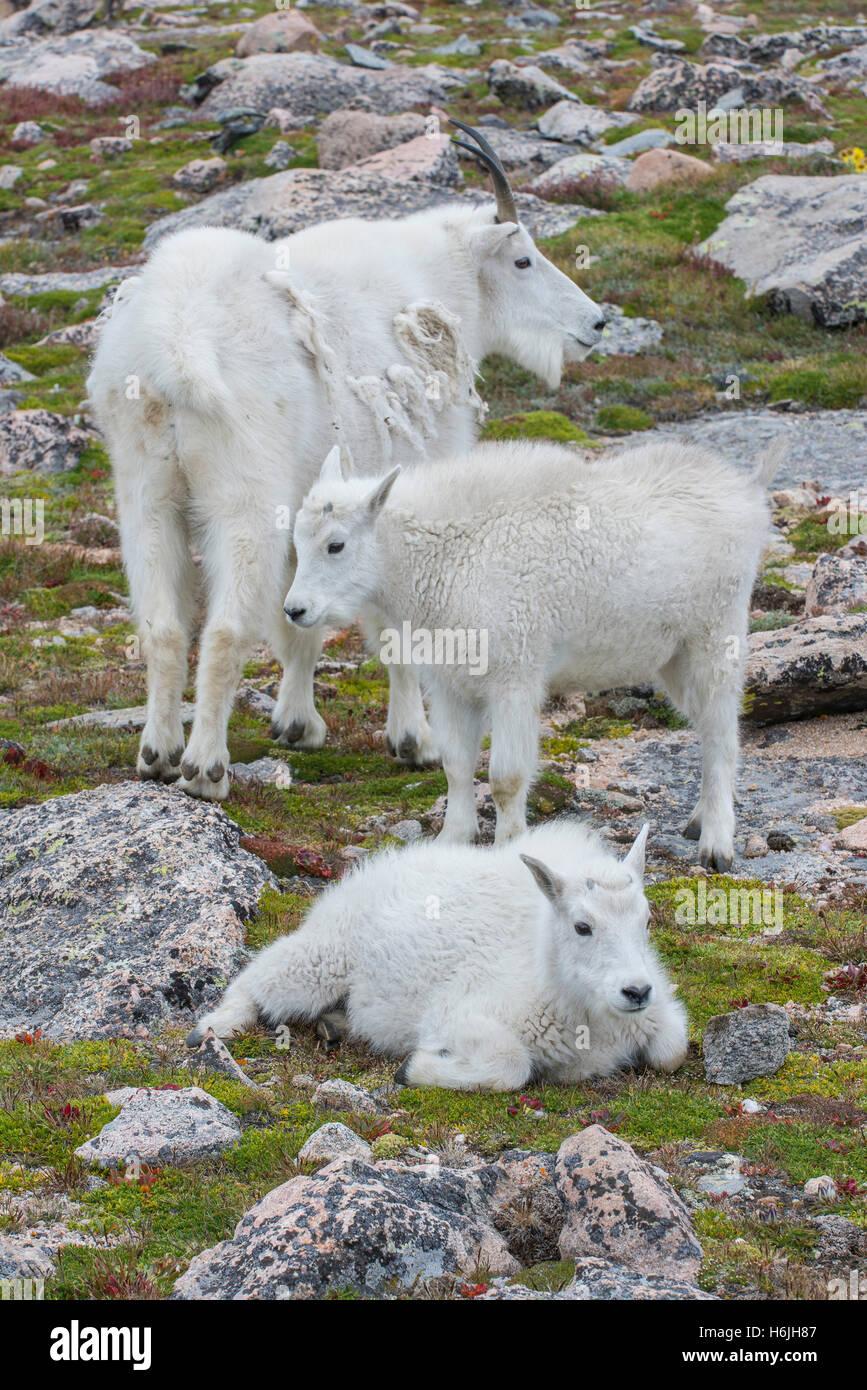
524,263
335,547
583,929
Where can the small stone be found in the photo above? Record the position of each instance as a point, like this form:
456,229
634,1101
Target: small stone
746,1043
756,847
823,1188
174,1127
342,1095
280,155
657,167
723,1185
110,146
331,1141
200,175
28,133
9,175
406,830
213,1055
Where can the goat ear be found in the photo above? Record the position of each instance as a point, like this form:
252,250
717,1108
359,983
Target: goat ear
486,241
550,883
332,468
377,499
635,857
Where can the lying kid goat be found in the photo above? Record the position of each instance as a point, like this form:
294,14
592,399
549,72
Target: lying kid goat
454,956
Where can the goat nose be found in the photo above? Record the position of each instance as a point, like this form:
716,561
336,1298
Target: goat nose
294,613
599,325
637,995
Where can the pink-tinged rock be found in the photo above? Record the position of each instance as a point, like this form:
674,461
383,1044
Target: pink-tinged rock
837,585
656,167
619,1208
163,1127
347,137
854,836
285,31
352,1226
432,158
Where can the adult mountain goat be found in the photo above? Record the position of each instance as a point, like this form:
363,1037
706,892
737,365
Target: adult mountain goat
567,573
224,374
484,977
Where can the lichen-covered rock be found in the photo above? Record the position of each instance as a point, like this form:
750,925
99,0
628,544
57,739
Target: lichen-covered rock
618,1206
40,441
837,585
43,17
346,137
331,1141
676,84
427,158
567,175
344,1096
352,1226
818,666
122,908
213,1055
312,85
624,336
163,1128
527,87
746,1043
73,65
201,175
803,241
597,1279
571,120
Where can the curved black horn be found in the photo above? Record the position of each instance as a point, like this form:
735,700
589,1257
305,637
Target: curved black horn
506,210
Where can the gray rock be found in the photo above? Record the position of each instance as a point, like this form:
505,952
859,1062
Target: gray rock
675,84
73,65
285,203
164,1128
597,1279
816,666
722,1185
213,1055
352,1226
528,87
345,1097
28,133
533,19
12,372
839,1238
280,155
523,153
9,175
18,283
654,139
130,719
646,35
40,441
617,1204
364,58
802,241
728,153
312,85
406,830
331,1141
43,17
764,48
623,336
746,1043
569,120
201,175
464,47
836,585
136,900
567,174
847,66
266,772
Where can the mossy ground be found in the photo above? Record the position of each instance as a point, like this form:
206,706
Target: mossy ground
50,1095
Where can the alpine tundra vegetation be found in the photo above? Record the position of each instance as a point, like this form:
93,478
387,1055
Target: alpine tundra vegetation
731,279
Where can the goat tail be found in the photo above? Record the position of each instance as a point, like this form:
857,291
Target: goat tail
769,463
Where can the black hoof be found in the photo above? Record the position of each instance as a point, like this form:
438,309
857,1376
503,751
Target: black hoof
176,755
692,830
216,772
331,1028
189,770
147,754
715,862
400,1076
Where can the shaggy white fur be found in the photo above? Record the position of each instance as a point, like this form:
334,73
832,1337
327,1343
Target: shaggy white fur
226,371
577,573
455,956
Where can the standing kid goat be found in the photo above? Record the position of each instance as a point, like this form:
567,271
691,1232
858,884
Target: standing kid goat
225,373
486,979
565,573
